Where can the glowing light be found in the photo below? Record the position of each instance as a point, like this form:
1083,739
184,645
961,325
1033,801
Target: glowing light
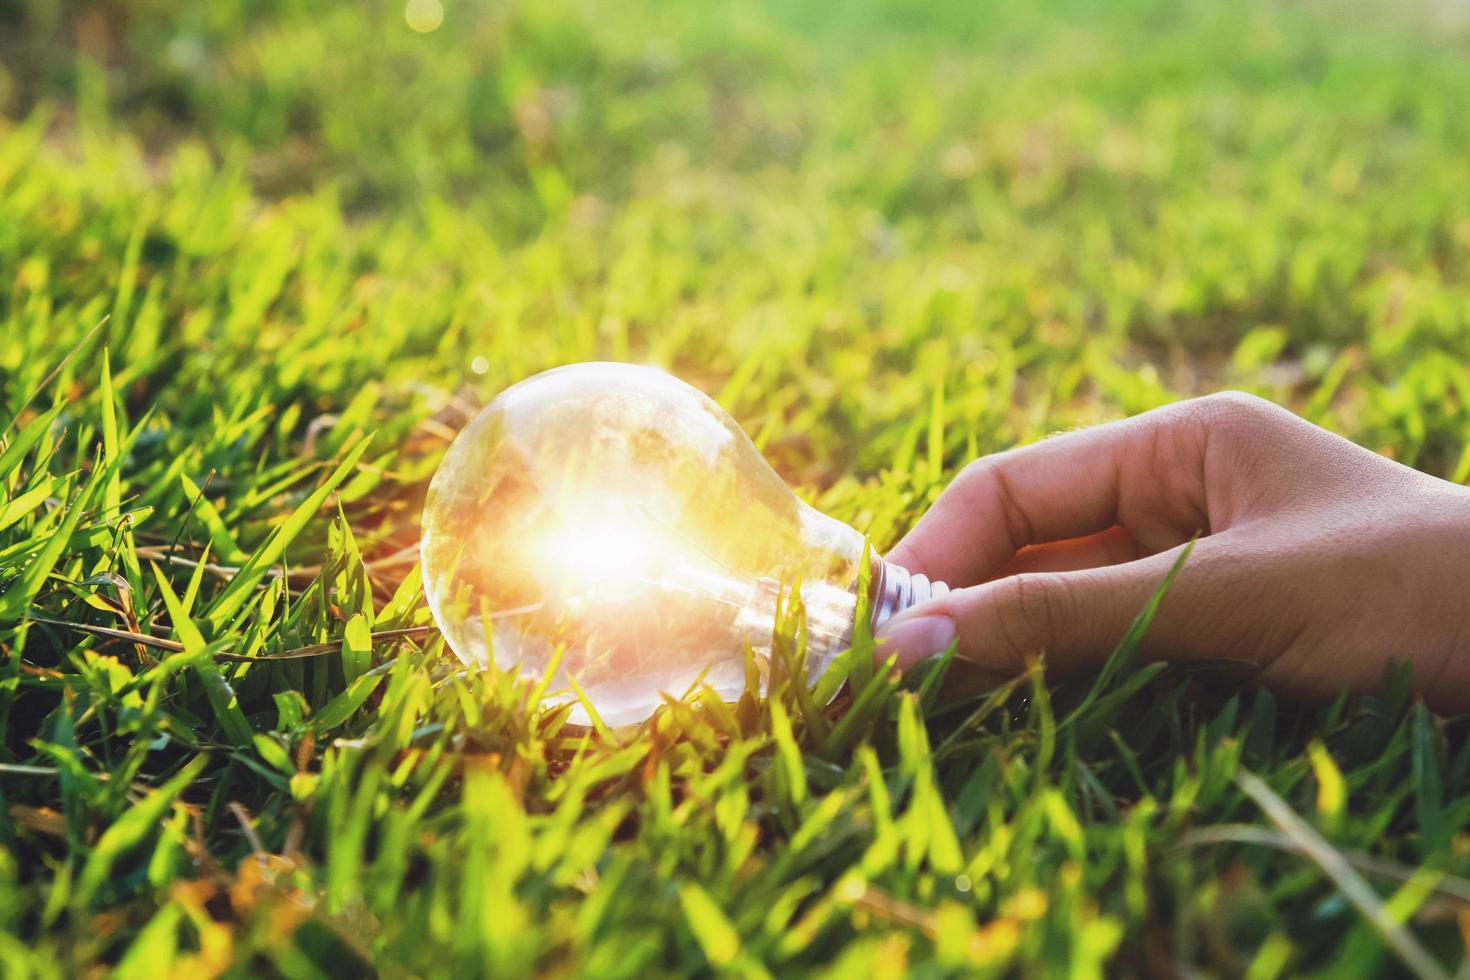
608,524
604,557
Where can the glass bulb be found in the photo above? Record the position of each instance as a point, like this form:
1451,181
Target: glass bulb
612,524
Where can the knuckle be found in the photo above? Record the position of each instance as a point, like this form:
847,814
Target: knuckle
1240,402
968,484
979,475
972,473
1028,610
1231,409
1237,422
985,479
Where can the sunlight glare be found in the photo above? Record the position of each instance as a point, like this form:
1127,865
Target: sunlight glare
604,556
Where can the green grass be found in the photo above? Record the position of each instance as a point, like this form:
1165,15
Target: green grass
888,237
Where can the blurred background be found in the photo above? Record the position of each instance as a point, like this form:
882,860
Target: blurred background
1051,213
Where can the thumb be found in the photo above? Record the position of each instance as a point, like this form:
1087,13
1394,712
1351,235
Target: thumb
1076,618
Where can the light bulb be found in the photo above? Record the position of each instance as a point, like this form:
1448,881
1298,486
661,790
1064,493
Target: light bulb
612,524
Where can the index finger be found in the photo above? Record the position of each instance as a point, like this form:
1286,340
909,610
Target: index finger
1145,474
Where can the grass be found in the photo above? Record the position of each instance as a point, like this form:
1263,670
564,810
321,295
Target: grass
259,262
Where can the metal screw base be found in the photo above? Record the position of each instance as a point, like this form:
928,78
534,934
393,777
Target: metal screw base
895,589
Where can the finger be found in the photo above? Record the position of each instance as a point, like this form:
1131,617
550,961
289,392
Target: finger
1075,618
1067,486
1111,547
1164,476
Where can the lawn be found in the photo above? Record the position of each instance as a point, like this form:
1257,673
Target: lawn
260,262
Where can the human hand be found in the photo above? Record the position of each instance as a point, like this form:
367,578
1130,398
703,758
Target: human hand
1318,560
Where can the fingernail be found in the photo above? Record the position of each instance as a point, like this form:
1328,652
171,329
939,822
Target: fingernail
914,637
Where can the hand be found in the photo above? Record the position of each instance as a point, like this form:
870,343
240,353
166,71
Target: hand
1318,561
